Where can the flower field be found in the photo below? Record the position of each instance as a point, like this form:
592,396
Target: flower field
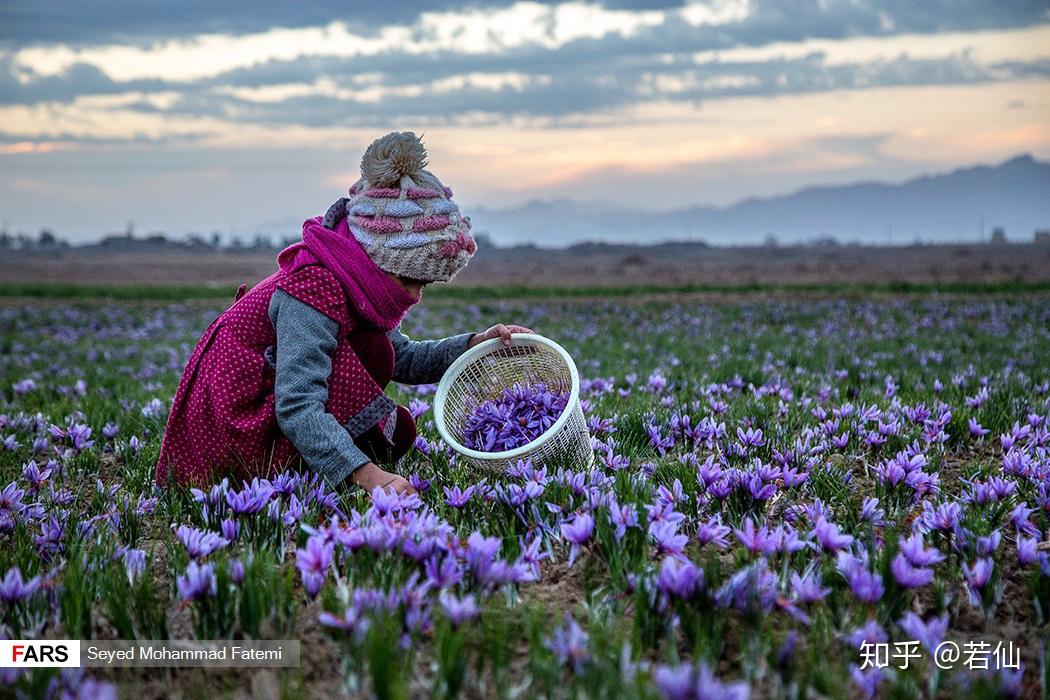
779,487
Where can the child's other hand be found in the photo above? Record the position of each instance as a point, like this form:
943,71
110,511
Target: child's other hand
498,331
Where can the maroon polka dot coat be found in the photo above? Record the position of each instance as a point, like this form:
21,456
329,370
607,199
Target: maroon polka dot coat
223,421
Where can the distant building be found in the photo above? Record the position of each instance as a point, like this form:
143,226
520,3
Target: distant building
998,235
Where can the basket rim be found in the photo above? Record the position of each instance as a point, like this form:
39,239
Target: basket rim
486,348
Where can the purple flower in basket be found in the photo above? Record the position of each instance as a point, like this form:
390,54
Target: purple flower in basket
516,417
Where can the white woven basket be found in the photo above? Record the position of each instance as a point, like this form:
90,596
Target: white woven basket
485,370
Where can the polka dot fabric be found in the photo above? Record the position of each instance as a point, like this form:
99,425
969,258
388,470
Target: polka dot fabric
223,421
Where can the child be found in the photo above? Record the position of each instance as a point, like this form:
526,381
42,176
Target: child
295,368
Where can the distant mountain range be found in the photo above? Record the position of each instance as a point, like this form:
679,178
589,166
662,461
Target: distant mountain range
955,206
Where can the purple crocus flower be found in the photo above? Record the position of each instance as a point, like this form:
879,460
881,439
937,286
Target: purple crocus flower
679,578
870,632
578,531
976,430
1027,550
808,587
979,573
251,499
569,644
867,681
199,543
442,572
198,581
668,540
237,571
459,610
908,576
230,529
420,484
917,553
714,532
352,620
943,517
134,563
14,588
866,586
696,683
930,633
622,517
829,536
313,563
481,552
519,415
758,540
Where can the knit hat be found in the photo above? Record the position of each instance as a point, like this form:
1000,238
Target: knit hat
403,216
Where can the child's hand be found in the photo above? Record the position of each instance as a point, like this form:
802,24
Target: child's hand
369,476
498,331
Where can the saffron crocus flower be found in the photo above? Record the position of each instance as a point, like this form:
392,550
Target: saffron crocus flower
752,590
679,578
230,529
866,586
578,532
352,620
442,572
917,553
313,563
976,430
867,681
251,499
829,536
134,563
713,532
1027,550
199,543
696,683
622,517
237,571
198,581
459,610
908,576
870,632
979,573
930,634
569,644
942,517
668,540
519,415
14,588
758,540
481,552
808,588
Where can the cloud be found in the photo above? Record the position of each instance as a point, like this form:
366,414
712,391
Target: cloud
25,22
491,97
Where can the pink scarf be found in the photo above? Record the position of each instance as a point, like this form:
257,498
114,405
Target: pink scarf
377,298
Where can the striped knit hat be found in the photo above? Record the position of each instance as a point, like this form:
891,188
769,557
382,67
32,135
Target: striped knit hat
403,216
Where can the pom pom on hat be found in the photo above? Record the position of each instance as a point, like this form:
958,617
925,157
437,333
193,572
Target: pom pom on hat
393,156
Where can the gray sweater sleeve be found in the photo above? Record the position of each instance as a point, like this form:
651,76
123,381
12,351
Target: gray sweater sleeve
424,361
306,340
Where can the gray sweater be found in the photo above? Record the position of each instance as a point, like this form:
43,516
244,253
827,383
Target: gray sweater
306,341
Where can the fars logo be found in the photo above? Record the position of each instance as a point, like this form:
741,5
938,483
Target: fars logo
38,653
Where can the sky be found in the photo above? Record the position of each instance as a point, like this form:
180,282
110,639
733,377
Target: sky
237,117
